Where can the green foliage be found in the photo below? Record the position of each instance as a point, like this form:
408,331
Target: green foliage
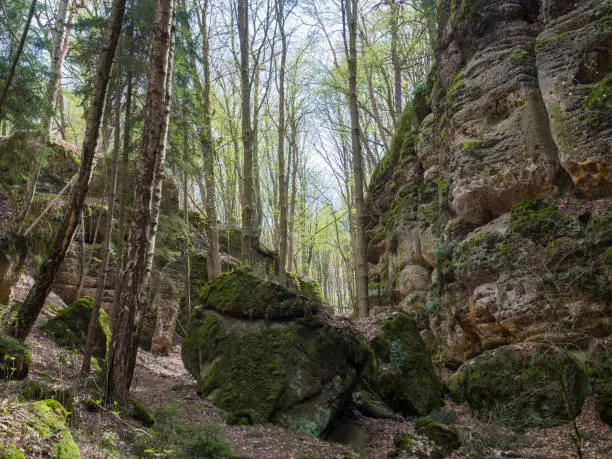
598,103
172,436
471,146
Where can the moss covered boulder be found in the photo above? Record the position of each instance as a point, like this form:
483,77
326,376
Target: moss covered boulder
523,385
14,358
445,438
258,354
69,327
401,373
242,295
36,430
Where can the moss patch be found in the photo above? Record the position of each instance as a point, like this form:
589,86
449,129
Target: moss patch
69,327
598,103
521,386
445,437
242,295
402,374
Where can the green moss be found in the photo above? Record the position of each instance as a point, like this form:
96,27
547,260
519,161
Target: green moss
51,417
471,146
445,437
232,382
31,390
241,294
15,358
404,442
598,104
456,83
410,385
65,448
554,40
537,219
520,55
521,387
140,413
11,453
69,327
402,146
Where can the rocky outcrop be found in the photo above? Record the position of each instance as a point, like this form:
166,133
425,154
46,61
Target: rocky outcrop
266,354
480,227
400,372
525,385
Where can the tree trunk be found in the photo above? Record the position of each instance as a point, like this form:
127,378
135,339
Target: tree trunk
11,72
213,260
397,71
282,185
246,242
294,166
56,65
133,294
31,307
124,194
361,267
108,232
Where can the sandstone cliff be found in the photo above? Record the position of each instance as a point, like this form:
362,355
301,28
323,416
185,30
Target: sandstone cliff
491,223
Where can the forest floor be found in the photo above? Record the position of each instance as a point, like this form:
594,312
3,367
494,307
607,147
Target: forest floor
162,384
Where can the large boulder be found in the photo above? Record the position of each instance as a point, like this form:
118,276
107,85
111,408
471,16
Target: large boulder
401,373
266,354
14,358
69,327
523,385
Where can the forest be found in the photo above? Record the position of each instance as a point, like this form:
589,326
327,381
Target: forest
282,228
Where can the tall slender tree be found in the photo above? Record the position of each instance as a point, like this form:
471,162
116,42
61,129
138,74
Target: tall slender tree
282,182
127,318
28,312
361,266
248,203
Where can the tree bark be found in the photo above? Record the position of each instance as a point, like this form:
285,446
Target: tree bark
246,242
133,294
213,260
361,267
282,185
108,232
27,314
57,62
11,72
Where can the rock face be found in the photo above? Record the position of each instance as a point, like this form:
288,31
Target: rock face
526,385
69,327
12,256
401,373
265,354
479,223
14,358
